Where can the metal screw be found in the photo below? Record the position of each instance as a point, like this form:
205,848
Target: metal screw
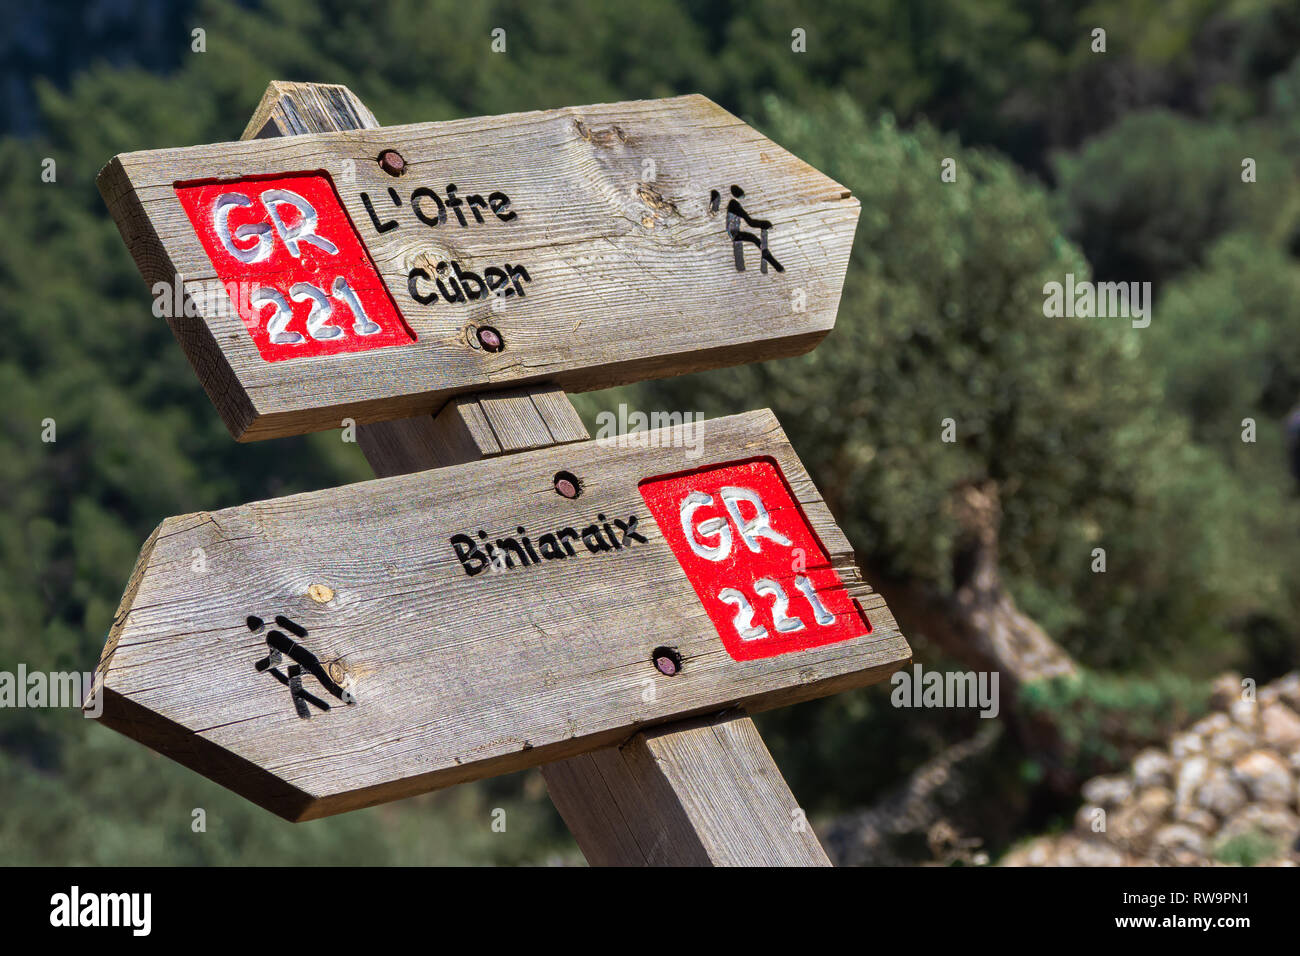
391,162
490,339
567,486
667,661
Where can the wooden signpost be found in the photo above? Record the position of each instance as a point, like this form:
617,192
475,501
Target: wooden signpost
508,593
593,245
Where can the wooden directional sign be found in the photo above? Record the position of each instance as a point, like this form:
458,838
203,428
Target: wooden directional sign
536,598
332,650
372,274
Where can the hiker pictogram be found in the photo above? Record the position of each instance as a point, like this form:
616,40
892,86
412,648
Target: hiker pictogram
736,215
281,645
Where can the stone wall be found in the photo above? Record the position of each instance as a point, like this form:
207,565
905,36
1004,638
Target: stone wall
1223,791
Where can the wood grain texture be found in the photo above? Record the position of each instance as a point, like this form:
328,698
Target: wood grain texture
690,793
456,677
291,109
632,267
704,792
396,446
601,795
470,428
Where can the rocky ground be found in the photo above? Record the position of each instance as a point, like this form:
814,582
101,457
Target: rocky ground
1224,791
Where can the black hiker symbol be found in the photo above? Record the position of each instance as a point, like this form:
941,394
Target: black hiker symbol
735,216
281,644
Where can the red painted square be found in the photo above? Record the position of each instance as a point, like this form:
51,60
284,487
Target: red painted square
294,265
756,564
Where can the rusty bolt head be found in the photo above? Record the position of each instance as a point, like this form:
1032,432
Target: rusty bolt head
391,162
667,661
489,338
567,486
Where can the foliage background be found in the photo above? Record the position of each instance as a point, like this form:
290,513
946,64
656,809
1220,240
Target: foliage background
1123,165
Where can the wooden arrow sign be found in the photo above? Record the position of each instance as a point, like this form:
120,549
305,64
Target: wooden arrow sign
333,650
372,274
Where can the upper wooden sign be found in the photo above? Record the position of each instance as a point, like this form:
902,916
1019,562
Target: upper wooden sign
332,650
373,274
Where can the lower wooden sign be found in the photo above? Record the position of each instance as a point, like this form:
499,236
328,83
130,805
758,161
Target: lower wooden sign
332,650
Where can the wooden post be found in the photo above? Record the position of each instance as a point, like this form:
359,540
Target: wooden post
694,793
700,793
353,648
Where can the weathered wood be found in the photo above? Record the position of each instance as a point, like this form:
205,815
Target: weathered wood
392,447
292,109
730,811
619,216
697,793
467,429
456,677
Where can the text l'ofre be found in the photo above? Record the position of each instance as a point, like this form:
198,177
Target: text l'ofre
450,281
